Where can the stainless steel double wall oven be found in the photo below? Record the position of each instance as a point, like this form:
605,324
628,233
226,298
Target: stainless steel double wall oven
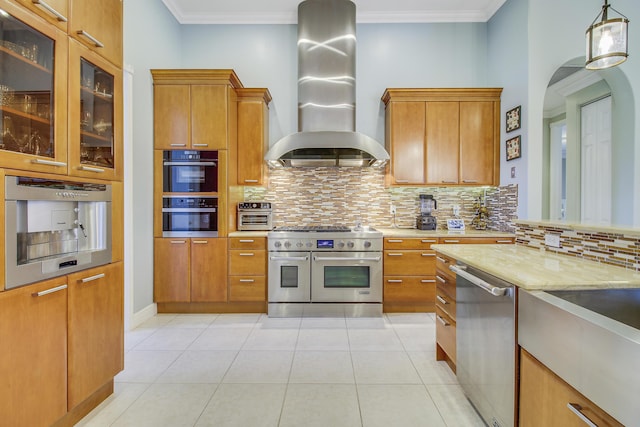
325,271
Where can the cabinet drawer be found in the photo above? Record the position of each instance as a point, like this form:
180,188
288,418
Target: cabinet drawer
247,243
404,243
247,288
445,302
410,263
247,262
442,266
446,333
446,283
409,289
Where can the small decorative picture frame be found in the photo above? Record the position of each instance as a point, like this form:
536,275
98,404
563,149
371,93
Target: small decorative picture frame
513,148
513,119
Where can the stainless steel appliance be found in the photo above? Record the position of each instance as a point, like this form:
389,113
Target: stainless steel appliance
189,216
256,216
486,343
325,271
54,227
187,171
425,220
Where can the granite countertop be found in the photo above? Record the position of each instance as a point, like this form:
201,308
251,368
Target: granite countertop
532,269
412,232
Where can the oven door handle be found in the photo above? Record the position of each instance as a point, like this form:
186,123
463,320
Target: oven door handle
289,258
189,163
320,258
188,210
486,286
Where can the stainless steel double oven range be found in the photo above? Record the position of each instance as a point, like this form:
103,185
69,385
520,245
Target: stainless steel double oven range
320,271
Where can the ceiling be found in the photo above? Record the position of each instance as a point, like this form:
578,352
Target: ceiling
368,11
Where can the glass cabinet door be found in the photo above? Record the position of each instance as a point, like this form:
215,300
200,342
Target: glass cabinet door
28,101
95,119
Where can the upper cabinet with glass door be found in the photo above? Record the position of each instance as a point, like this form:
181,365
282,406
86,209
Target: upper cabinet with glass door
95,115
33,96
98,25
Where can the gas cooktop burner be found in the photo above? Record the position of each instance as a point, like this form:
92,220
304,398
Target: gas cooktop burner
315,228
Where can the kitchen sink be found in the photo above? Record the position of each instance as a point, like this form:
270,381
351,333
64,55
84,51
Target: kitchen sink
622,305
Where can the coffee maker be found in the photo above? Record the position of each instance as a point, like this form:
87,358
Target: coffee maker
425,221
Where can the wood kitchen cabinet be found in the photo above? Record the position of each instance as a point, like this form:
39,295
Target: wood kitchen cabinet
190,270
544,399
247,269
95,115
33,97
33,360
409,274
443,136
98,25
195,109
95,330
253,135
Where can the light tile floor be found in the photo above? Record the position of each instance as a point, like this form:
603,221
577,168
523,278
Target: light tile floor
250,370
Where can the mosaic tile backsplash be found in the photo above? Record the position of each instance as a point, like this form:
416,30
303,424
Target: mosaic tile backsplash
602,246
328,196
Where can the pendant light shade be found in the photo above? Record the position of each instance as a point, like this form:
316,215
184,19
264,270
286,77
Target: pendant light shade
607,43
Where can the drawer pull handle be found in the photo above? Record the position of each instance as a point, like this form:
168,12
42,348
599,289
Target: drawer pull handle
200,145
91,169
394,280
449,182
92,278
442,300
178,145
451,241
395,254
251,181
428,254
247,280
48,162
470,181
427,281
49,291
402,181
441,319
199,242
248,254
395,240
88,36
444,260
60,17
577,409
440,279
428,241
504,241
178,242
246,241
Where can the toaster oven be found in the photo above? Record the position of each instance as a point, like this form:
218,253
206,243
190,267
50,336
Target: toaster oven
255,216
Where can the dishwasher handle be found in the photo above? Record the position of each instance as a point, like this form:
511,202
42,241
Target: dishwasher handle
493,290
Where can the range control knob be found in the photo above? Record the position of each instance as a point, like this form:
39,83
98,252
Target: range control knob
341,244
299,244
367,244
309,244
350,244
277,244
287,244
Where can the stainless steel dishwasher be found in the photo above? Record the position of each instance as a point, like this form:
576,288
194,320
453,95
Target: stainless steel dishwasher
486,343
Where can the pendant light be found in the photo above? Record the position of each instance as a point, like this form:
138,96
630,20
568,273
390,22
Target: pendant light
607,44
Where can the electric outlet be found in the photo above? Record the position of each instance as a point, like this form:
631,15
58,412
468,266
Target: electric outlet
456,210
552,240
392,209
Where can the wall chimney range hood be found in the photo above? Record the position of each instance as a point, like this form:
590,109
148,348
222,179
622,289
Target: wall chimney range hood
326,93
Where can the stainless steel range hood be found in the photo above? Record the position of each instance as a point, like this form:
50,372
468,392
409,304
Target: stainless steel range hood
326,93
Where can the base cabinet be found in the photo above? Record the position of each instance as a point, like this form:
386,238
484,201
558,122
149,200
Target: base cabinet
95,330
247,269
547,400
33,360
190,270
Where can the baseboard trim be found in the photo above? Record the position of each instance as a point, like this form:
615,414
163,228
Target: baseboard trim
143,315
